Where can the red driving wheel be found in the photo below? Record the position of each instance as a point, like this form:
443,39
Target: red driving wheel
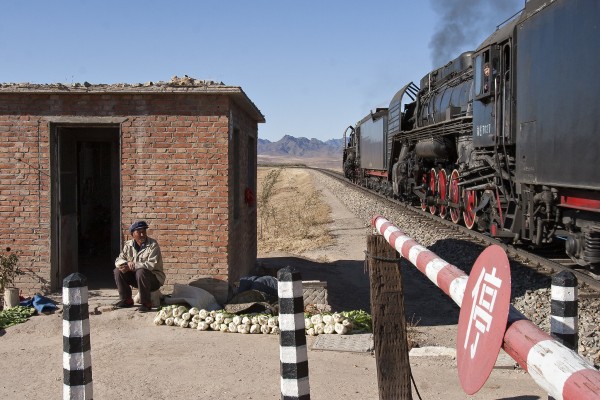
442,189
454,197
470,204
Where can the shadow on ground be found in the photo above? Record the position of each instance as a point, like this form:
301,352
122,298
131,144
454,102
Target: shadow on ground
349,288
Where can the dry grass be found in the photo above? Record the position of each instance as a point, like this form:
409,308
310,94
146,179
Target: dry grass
412,333
292,217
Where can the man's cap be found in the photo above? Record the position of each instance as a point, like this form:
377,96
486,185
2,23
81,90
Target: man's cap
138,225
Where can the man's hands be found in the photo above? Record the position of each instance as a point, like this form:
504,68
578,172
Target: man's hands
128,266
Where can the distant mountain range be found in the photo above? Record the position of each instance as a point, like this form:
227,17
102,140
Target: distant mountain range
301,147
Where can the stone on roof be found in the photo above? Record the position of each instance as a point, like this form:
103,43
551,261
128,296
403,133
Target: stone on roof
185,84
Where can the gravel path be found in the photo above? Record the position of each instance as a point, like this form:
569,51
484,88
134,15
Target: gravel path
530,291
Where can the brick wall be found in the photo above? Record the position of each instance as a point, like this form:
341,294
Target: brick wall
25,197
242,256
175,171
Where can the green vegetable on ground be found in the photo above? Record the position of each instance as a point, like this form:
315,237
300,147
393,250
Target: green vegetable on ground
15,315
361,320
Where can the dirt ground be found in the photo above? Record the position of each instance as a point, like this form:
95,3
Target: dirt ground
133,359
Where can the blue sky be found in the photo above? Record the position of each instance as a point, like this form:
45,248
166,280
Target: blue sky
311,67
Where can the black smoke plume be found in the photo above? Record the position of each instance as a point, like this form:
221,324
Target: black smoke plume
464,24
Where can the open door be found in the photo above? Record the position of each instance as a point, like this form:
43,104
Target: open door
85,203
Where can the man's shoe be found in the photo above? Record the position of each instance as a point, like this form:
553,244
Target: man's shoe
127,303
145,308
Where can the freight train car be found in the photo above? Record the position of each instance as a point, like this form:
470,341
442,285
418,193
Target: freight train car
504,138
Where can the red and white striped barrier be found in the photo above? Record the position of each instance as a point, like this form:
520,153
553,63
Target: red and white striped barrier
561,372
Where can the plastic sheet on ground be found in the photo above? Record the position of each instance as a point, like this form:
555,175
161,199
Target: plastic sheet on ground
194,296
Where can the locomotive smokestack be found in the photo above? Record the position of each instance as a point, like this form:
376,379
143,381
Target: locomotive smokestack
465,24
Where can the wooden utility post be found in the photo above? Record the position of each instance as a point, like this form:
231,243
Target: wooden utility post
389,323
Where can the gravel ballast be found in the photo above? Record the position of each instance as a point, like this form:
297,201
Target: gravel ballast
530,290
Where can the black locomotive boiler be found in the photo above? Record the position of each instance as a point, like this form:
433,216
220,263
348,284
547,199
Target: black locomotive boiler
504,139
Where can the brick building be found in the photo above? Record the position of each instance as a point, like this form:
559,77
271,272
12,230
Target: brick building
79,163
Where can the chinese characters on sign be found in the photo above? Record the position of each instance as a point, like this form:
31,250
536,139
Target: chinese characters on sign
483,296
483,315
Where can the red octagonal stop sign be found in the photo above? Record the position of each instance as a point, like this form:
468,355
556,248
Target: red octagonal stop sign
483,316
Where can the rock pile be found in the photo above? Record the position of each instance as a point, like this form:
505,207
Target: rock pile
184,81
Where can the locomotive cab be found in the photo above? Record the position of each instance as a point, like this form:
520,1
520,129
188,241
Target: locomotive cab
487,93
489,190
486,70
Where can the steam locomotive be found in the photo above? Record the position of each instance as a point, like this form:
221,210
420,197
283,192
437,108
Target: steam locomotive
504,139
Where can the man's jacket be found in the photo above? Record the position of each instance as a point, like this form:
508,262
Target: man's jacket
148,257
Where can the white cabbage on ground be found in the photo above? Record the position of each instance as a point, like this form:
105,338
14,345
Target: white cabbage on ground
317,324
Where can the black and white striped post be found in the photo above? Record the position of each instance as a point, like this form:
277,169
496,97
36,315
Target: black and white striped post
77,358
293,354
563,310
563,321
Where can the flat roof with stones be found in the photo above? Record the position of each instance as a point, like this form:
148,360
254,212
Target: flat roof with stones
177,85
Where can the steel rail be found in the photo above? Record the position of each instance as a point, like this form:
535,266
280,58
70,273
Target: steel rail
540,264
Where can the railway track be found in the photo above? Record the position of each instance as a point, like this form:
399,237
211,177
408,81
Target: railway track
545,264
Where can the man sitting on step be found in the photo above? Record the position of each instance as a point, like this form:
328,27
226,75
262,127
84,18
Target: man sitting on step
139,265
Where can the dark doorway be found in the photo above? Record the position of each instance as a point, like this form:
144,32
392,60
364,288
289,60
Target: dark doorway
85,207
